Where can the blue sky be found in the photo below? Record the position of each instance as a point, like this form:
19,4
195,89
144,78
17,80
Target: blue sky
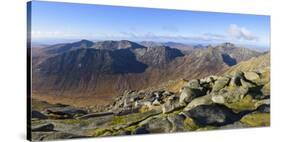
65,21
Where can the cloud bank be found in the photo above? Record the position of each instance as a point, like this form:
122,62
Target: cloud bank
233,33
238,32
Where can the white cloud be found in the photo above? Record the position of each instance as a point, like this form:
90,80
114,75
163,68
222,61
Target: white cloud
238,32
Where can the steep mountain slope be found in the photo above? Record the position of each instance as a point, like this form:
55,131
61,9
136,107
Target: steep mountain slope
254,64
157,55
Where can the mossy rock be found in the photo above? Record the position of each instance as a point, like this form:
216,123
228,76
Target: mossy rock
79,122
245,103
256,119
37,122
221,83
265,76
131,128
98,132
266,89
144,109
132,118
190,125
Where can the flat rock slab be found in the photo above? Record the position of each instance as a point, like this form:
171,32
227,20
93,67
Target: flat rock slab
99,114
66,112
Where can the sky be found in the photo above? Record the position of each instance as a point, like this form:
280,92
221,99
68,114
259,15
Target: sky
58,22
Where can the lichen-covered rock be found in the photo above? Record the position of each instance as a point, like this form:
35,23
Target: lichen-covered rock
214,114
262,102
220,83
177,122
188,94
256,119
232,94
171,104
244,104
218,99
266,89
156,125
189,124
252,76
204,100
194,84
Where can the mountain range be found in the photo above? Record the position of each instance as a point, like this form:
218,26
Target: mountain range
105,69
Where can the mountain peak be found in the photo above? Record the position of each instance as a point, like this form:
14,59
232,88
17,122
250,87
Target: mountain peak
228,44
83,42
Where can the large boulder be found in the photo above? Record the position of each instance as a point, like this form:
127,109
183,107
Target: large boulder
171,104
229,94
204,100
214,114
155,125
256,119
177,122
220,83
194,84
188,94
252,76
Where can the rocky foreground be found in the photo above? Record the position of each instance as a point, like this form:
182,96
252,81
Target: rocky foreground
239,100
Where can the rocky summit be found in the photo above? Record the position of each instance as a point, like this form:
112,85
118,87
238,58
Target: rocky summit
234,100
